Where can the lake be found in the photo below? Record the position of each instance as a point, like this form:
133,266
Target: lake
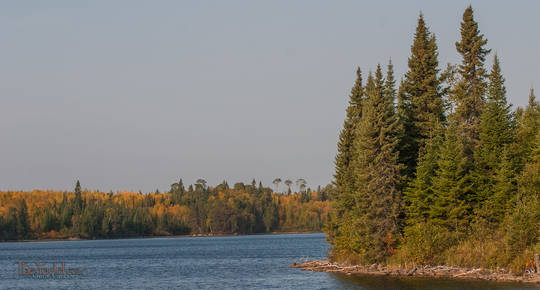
232,262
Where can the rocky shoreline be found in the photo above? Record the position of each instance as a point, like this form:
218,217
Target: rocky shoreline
425,271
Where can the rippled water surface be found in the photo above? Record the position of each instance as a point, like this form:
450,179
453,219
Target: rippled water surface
238,262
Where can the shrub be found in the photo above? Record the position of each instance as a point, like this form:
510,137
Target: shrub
424,244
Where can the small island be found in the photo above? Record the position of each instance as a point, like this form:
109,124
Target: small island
439,177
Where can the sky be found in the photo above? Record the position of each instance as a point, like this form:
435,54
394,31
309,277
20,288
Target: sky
133,95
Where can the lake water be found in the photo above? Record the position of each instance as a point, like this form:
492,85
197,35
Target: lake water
237,262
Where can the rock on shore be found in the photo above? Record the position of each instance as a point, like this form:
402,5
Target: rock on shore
425,271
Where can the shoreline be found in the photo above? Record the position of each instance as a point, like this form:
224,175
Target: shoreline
74,239
426,271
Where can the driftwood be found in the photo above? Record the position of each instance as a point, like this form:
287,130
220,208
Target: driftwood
423,271
468,273
537,262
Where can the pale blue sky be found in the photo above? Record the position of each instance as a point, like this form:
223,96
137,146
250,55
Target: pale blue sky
129,95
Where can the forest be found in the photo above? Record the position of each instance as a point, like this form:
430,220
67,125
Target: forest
441,170
199,209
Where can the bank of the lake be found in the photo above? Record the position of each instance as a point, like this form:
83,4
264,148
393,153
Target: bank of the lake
78,238
435,272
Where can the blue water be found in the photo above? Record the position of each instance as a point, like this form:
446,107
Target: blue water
238,262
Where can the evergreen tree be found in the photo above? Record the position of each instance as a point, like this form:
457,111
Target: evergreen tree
78,202
495,133
23,227
504,190
343,172
377,172
390,85
528,127
3,230
529,180
11,223
469,91
421,98
451,184
407,144
522,228
66,213
344,175
419,195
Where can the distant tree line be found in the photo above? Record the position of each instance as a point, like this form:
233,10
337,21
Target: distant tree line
199,209
440,170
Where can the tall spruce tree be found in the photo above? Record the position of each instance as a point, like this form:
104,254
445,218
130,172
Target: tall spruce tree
419,194
23,227
377,173
78,202
504,190
343,177
496,132
390,85
421,97
407,143
528,127
529,181
522,229
468,94
451,184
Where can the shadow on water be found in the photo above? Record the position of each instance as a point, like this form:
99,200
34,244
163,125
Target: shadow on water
386,282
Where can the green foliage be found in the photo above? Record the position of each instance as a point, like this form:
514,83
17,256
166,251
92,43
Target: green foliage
479,250
407,145
468,94
503,191
23,229
492,164
421,100
451,185
419,195
528,123
344,175
373,222
522,227
78,202
424,243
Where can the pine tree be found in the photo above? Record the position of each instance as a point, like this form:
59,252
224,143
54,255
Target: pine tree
421,97
377,173
468,93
